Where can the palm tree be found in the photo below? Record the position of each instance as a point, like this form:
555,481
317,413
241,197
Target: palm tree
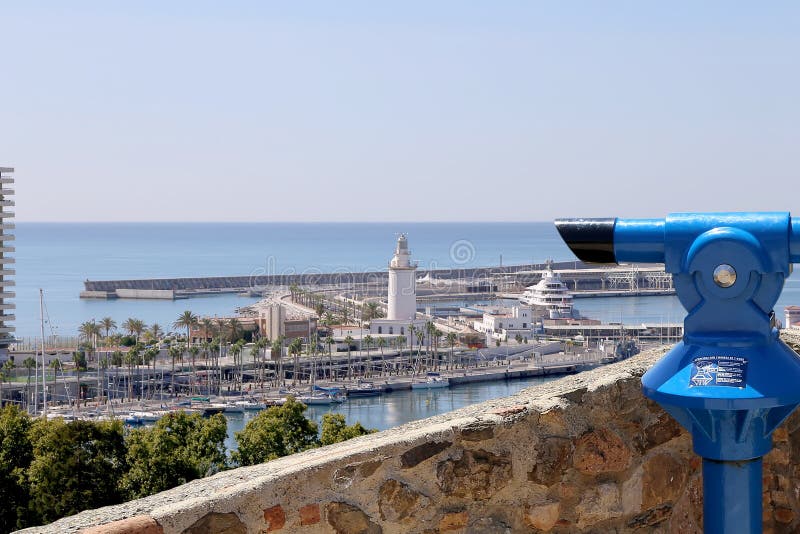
328,318
76,357
381,344
329,341
437,336
156,331
371,311
235,351
235,328
207,325
108,324
277,354
451,339
134,327
367,342
259,354
349,341
28,363
186,320
88,331
55,363
152,356
117,359
295,347
401,345
174,354
133,358
193,352
5,372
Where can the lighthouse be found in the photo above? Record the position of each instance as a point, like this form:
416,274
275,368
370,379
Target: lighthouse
402,283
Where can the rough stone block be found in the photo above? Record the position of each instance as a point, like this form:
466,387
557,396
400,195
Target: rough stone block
552,457
453,521
420,453
543,516
601,451
477,474
599,503
275,518
398,501
479,431
663,479
348,519
309,514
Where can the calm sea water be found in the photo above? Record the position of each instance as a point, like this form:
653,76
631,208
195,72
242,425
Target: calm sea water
59,257
399,407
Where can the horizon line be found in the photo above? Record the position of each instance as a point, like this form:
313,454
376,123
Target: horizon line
283,222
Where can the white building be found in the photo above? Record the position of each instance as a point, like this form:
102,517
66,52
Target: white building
402,297
501,323
792,316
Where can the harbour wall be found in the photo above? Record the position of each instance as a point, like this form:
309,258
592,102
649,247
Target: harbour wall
578,276
585,453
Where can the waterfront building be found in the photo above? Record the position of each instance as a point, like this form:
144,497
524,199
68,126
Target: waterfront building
274,321
503,323
401,297
792,316
6,261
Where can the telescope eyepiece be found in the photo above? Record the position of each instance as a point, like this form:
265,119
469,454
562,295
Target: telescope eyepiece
591,240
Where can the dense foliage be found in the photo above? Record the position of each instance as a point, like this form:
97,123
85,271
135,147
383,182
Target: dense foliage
51,468
283,430
75,466
179,448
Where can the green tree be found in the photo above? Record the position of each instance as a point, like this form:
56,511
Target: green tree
29,364
295,348
108,324
76,466
334,429
367,344
186,320
134,327
275,432
16,454
180,447
451,339
349,342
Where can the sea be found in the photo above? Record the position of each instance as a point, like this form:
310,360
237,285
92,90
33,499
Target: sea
58,257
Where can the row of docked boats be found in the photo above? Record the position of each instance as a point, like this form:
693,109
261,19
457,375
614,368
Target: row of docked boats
316,396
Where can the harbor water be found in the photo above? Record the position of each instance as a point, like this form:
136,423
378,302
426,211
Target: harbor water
59,257
398,407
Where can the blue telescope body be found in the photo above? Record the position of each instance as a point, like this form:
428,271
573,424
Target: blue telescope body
731,381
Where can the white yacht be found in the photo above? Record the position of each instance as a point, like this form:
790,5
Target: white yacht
550,295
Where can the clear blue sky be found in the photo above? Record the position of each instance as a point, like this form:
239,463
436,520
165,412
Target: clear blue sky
379,111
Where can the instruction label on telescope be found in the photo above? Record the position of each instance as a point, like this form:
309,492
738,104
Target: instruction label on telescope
719,371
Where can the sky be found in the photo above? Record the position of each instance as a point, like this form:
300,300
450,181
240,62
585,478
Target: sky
398,111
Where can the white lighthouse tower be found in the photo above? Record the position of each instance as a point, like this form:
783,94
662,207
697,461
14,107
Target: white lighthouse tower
402,283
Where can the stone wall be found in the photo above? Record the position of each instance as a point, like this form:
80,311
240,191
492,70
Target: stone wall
587,453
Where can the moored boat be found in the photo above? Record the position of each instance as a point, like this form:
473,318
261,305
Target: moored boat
364,389
432,380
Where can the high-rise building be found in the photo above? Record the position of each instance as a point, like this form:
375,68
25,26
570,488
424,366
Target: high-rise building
6,261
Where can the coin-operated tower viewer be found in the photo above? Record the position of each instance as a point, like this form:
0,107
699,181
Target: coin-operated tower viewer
731,381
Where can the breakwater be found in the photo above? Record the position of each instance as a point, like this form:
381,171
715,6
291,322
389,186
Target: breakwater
579,277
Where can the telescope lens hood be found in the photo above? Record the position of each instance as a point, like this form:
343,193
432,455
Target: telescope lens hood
591,240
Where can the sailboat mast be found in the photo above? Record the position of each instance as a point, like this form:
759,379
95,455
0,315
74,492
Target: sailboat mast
44,375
